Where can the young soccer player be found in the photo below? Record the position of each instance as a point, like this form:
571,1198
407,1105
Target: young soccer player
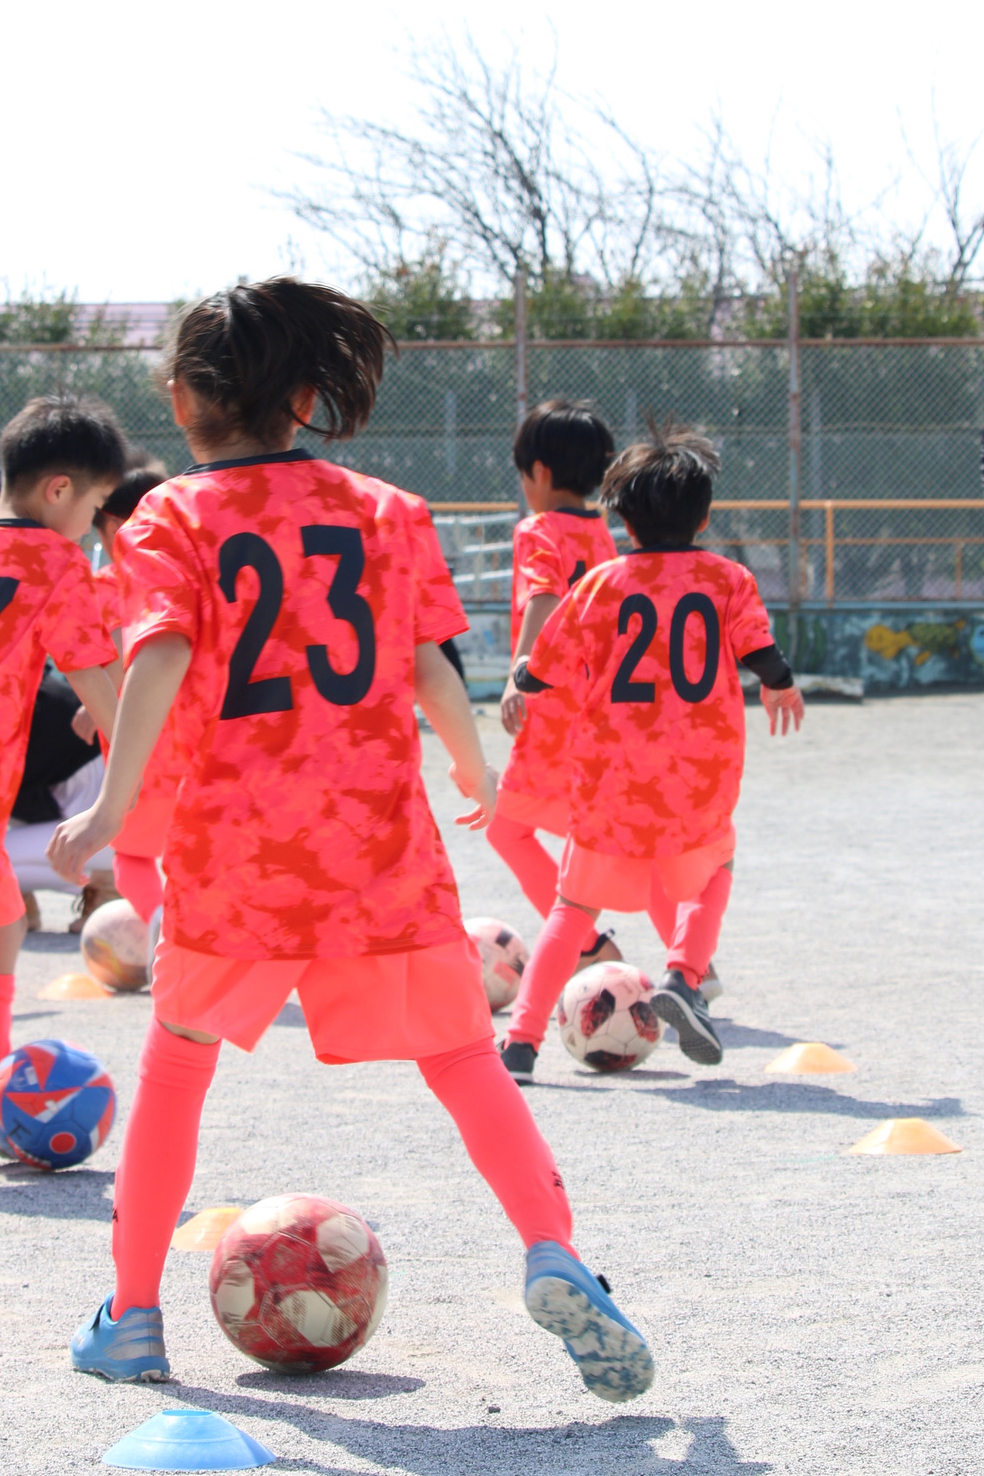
291,610
648,647
561,451
60,458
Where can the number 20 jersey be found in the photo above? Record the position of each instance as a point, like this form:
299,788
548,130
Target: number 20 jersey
649,644
301,829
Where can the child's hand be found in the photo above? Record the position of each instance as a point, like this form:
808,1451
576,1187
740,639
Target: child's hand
76,840
513,708
84,725
788,701
483,793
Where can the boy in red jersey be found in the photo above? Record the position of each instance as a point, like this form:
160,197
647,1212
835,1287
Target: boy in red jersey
290,611
648,646
61,458
561,451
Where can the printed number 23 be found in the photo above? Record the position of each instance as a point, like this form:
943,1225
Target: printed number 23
245,697
8,588
626,690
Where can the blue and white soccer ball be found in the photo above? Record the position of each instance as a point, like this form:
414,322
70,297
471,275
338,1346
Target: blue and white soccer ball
57,1104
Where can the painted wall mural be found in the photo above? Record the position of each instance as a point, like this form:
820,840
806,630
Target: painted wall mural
886,648
892,649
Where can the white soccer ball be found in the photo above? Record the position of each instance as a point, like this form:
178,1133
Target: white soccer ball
504,957
606,1017
114,946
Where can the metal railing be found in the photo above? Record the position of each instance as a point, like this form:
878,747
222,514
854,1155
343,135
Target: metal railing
833,567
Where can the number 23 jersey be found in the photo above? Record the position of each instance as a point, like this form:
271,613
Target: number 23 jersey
301,829
649,646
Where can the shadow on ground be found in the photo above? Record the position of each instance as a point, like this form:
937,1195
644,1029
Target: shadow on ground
620,1445
51,943
338,1383
740,1037
723,1094
69,1194
292,1016
21,1015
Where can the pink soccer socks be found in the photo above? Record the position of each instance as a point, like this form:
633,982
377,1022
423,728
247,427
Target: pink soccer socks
552,963
503,1140
157,1163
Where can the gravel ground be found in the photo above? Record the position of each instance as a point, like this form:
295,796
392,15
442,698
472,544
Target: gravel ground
810,1313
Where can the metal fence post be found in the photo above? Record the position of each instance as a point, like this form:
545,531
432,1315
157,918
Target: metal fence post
519,308
795,460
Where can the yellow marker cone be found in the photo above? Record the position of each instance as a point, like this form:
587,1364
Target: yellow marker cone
74,986
905,1135
204,1230
810,1058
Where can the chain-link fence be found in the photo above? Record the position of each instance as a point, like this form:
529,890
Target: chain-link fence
887,476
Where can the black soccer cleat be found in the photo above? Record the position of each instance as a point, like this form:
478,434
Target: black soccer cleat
686,1010
519,1058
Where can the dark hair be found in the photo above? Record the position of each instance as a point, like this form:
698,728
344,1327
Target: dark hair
61,435
124,499
247,352
570,439
662,487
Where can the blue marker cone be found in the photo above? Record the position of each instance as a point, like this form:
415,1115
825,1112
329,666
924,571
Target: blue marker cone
187,1440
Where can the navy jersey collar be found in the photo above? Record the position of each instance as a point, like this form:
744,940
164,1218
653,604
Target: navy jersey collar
578,512
275,458
665,548
20,523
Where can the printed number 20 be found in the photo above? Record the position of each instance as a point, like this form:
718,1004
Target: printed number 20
626,690
245,697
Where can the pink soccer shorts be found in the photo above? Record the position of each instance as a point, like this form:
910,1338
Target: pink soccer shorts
379,1007
623,883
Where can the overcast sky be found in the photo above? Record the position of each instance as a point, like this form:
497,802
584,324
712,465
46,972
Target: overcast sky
141,143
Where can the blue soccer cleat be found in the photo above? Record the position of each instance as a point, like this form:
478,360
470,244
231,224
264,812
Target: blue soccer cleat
564,1297
130,1351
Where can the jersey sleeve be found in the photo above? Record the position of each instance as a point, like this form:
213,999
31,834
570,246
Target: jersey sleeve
157,578
538,567
558,657
73,631
748,620
108,591
438,612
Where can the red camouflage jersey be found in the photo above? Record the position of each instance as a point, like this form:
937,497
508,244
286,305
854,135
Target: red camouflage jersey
301,828
145,827
648,647
107,581
551,552
48,607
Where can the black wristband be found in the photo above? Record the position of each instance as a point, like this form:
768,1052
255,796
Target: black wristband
770,666
525,680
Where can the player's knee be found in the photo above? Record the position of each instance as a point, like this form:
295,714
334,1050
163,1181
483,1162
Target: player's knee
200,1037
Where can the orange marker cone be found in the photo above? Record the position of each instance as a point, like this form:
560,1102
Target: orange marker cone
810,1058
73,986
905,1135
204,1230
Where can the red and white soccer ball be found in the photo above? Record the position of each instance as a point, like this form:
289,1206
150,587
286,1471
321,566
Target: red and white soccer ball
504,957
298,1283
114,945
606,1017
